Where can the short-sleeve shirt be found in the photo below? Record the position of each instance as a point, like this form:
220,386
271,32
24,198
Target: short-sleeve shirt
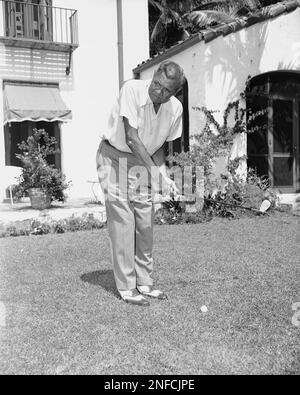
153,129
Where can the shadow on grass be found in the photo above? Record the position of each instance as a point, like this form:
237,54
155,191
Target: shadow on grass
102,278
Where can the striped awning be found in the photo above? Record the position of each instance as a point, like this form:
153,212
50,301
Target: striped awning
34,103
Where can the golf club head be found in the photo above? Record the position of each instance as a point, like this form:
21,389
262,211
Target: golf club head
265,206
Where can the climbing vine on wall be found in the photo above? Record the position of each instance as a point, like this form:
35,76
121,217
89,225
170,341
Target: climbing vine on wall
215,139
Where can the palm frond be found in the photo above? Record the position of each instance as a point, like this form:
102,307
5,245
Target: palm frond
172,21
168,17
252,4
246,7
201,19
212,5
184,6
230,6
156,4
158,29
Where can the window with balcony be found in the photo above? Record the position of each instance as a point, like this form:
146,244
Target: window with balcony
32,22
32,19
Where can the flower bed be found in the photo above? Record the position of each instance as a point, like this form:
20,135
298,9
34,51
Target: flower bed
38,227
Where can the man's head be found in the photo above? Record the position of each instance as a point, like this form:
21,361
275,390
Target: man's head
167,81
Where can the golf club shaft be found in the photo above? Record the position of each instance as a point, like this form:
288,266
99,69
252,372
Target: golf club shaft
212,201
231,205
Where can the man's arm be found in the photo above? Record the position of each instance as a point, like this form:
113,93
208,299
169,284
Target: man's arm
159,158
137,147
155,164
139,151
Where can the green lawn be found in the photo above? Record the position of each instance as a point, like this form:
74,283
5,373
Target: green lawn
64,316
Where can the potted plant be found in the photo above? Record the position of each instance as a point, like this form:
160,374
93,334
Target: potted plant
43,182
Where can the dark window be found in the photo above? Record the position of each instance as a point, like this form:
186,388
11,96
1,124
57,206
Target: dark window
260,164
258,127
283,126
16,132
283,172
273,104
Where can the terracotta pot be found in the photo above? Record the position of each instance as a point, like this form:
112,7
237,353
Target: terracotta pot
39,199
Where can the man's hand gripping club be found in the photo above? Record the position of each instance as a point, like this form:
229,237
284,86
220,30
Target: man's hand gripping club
155,165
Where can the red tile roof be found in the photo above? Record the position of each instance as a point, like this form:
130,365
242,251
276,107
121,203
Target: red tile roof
223,29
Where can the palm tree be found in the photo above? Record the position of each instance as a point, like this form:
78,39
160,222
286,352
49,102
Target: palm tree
221,11
173,21
166,22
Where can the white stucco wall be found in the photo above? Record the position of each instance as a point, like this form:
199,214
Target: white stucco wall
217,71
95,82
93,85
136,34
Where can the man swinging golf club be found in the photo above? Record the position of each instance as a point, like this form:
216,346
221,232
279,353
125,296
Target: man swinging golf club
130,160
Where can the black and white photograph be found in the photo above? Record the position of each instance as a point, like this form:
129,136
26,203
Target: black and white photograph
149,190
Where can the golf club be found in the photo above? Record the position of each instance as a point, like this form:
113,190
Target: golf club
262,210
179,198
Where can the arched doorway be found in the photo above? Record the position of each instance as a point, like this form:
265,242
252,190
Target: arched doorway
273,148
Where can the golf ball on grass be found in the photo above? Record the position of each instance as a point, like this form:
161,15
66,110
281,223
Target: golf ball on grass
204,309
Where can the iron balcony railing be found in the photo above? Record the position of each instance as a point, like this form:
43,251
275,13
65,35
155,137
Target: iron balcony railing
38,21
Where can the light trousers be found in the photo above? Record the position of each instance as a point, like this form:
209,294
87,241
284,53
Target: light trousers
130,216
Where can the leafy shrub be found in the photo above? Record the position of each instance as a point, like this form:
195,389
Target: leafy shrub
59,227
48,226
173,213
238,193
36,172
223,197
12,231
169,213
39,228
215,140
